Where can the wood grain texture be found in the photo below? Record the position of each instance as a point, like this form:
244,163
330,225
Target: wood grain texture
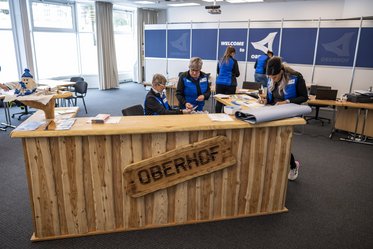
147,124
77,185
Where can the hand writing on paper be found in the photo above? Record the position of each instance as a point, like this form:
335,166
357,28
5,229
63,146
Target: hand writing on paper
189,106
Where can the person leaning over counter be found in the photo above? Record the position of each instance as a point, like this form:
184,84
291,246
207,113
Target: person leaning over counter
156,102
228,71
285,85
193,86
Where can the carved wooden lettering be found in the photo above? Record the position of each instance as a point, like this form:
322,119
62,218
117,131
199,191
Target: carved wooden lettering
178,165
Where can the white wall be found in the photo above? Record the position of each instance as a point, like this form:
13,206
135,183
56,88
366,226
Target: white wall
261,11
338,78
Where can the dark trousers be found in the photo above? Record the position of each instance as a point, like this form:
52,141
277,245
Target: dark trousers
292,162
223,89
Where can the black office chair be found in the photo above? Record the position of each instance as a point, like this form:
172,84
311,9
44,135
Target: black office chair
136,110
25,111
74,79
80,92
251,85
313,91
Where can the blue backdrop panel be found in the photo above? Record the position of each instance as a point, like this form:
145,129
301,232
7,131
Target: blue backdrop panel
155,43
260,40
235,37
298,45
365,52
336,46
179,43
204,43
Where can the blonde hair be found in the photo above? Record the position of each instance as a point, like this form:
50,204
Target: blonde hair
158,79
195,63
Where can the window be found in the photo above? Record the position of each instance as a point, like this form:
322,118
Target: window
65,46
48,15
122,21
125,45
5,22
8,61
86,16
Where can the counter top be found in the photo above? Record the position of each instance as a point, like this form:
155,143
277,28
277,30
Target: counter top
151,124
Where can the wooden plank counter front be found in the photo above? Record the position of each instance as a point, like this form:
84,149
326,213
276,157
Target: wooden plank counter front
78,187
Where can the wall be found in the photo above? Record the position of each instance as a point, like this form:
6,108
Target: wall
341,78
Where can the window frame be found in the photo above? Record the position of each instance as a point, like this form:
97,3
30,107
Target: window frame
45,29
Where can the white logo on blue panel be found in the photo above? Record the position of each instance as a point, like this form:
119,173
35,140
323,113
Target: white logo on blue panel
260,45
340,47
181,43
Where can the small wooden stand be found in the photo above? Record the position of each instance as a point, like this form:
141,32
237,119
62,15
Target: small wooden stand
48,108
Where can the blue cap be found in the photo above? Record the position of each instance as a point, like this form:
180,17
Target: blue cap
27,74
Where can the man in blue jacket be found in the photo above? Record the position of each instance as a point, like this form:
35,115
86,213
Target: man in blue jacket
260,68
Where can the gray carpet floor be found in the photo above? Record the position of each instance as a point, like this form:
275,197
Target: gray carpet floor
330,204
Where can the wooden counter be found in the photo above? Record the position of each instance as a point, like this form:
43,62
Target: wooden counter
78,187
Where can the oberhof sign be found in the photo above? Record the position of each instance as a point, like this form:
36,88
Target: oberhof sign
178,165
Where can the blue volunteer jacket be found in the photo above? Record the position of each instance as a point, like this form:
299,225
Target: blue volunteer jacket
261,64
188,89
227,72
290,90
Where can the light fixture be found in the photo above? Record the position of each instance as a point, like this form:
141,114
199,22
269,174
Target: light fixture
244,1
144,2
210,1
182,4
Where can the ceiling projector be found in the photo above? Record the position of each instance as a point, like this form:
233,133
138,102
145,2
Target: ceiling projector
213,9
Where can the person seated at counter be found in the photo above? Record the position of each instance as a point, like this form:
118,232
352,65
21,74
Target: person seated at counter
156,102
193,86
285,85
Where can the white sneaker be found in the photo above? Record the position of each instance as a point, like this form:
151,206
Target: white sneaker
293,173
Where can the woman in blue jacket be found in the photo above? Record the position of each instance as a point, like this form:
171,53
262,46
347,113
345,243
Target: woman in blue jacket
228,71
193,87
285,85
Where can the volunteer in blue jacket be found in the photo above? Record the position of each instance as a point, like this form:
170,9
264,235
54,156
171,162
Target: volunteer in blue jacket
285,85
261,67
193,86
156,102
228,71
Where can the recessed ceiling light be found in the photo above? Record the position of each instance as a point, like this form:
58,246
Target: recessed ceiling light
144,2
182,4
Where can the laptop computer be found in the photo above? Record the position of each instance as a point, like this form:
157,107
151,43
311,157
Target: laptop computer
326,94
251,85
314,88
